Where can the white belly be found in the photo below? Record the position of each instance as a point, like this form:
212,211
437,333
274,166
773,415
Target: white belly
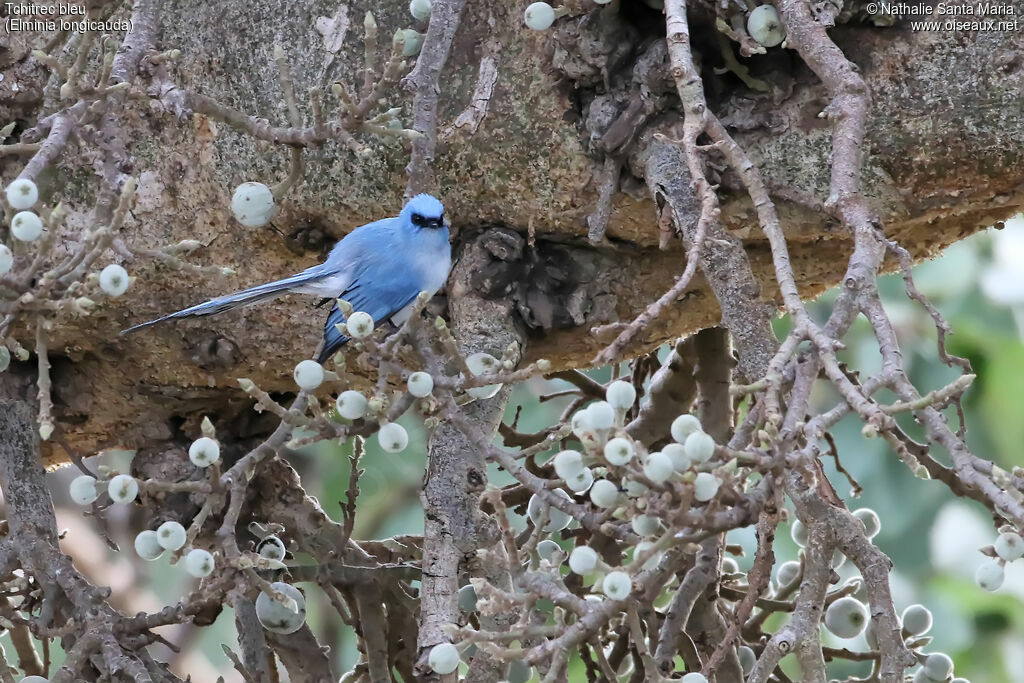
433,270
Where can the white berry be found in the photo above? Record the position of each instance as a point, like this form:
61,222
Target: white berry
846,617
279,617
547,550
443,658
253,204
788,572
26,226
271,548
990,575
467,598
705,486
393,438
645,525
917,620
557,520
204,451
420,9
651,562
412,43
308,374
171,535
539,16
1009,546
22,194
83,489
938,666
518,672
568,464
602,415
747,659
617,585
420,383
6,259
620,395
147,545
604,493
658,467
581,481
694,677
799,533
483,364
699,447
676,452
581,422
123,488
683,426
199,563
582,560
351,404
359,325
114,280
618,451
869,518
765,27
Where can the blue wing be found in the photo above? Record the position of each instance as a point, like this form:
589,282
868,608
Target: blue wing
379,302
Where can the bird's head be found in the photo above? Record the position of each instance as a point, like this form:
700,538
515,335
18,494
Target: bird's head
424,211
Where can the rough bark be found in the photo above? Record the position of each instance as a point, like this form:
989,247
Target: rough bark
518,114
457,472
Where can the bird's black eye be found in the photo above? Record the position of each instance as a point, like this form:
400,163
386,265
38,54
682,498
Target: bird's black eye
418,219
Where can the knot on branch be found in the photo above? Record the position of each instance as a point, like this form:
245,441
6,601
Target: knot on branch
551,286
210,351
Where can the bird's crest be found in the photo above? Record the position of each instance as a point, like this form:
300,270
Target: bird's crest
424,210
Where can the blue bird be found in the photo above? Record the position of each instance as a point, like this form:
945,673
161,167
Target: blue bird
380,268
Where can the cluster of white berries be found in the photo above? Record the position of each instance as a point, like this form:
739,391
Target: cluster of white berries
1009,546
609,456
847,617
253,204
937,667
22,194
151,544
353,405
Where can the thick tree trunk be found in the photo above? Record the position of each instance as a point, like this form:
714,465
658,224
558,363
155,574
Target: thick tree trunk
524,117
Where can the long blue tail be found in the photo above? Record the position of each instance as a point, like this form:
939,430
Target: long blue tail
238,299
